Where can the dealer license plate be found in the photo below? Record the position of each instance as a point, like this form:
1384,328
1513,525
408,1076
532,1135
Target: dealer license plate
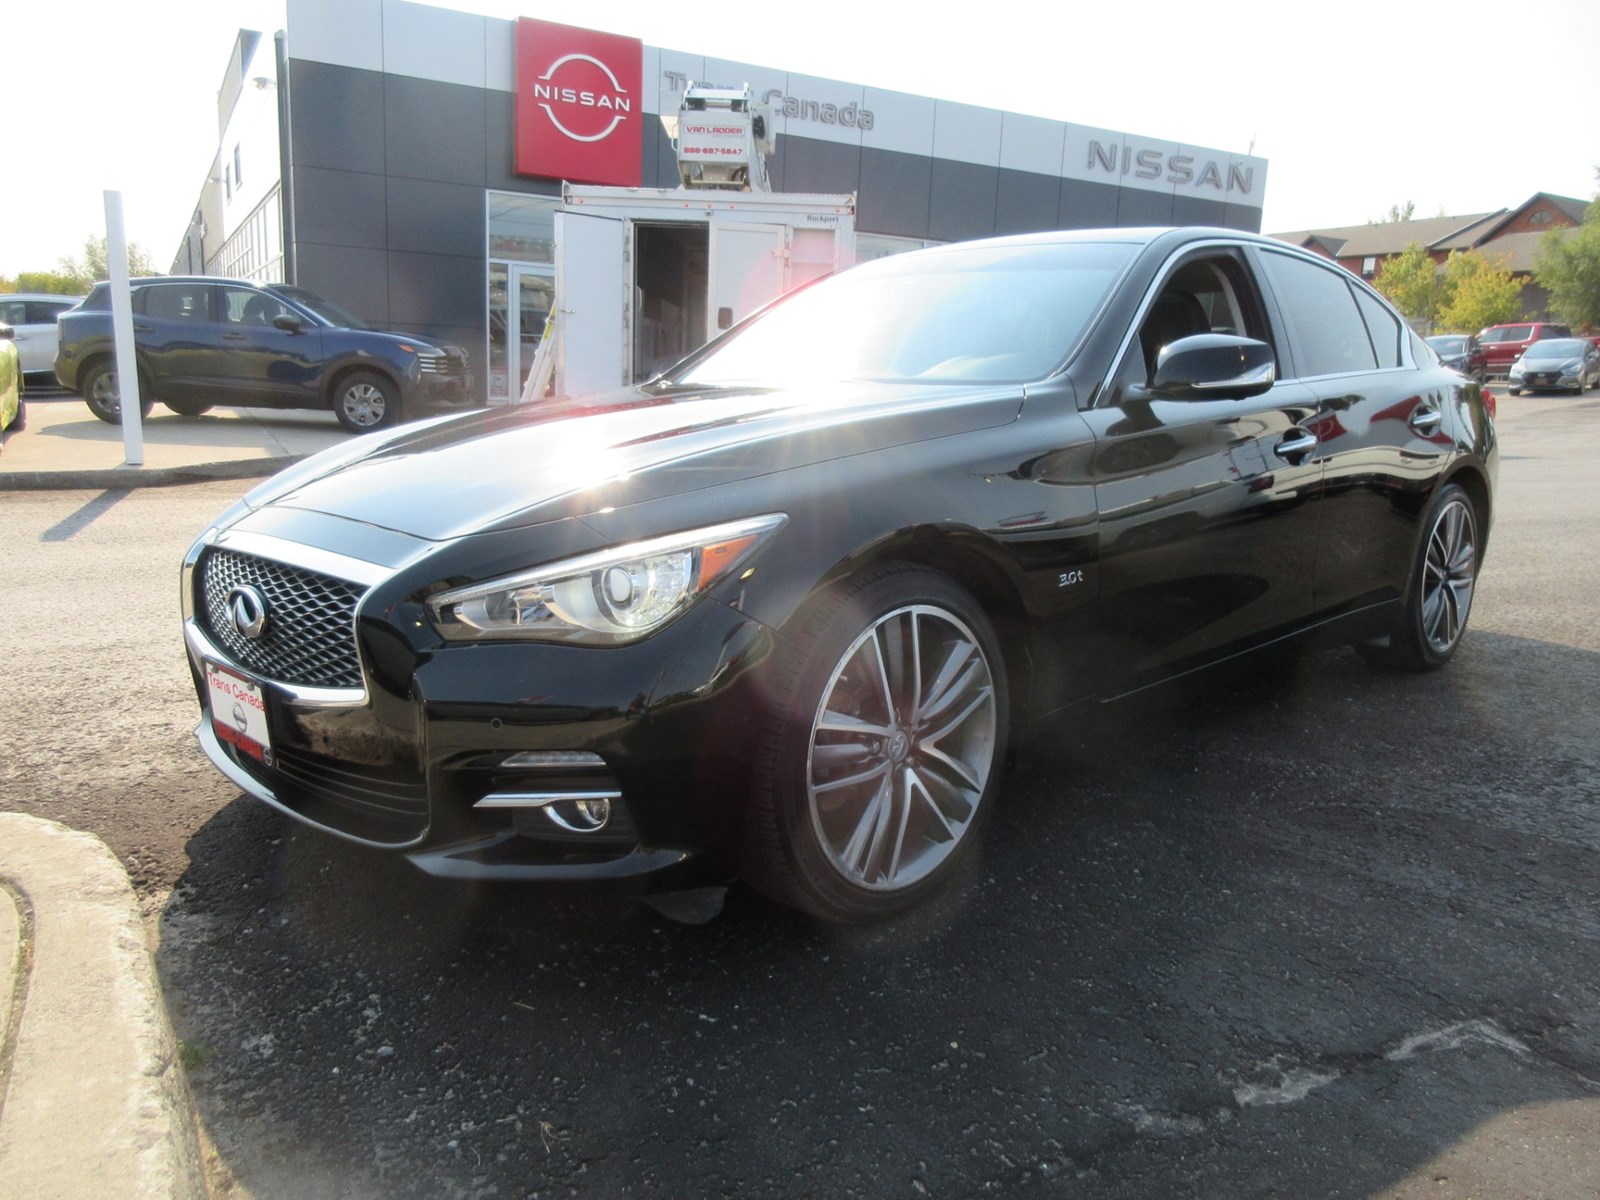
239,712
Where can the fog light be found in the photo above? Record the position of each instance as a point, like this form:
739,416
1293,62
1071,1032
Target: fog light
588,815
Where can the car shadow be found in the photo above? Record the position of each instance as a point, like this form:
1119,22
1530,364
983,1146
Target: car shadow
1300,932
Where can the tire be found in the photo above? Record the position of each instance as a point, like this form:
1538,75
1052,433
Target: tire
879,756
104,397
364,401
188,408
19,421
1439,598
1511,391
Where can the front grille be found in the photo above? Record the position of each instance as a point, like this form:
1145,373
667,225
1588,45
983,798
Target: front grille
442,364
388,805
309,637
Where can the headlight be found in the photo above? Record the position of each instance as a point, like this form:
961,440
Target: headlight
607,598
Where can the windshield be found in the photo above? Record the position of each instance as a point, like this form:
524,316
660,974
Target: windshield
995,314
1448,345
326,309
1557,348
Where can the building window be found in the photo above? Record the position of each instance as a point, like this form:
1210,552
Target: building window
1369,267
520,285
238,175
870,246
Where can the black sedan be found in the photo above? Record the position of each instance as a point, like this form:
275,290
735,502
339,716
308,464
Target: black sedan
782,611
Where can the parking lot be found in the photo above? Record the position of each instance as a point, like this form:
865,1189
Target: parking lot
1319,931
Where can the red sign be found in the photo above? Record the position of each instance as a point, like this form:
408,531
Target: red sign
580,115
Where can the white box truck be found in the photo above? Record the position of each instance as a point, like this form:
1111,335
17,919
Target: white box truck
645,275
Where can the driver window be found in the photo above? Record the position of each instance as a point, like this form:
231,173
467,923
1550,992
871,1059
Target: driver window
242,306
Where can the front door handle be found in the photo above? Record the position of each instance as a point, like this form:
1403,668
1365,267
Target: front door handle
1296,443
1426,420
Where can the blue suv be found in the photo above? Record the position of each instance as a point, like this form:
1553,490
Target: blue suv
201,341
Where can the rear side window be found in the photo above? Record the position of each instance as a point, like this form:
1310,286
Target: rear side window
1325,326
1383,327
175,301
45,312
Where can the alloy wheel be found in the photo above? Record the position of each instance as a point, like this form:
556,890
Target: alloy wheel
902,747
1449,574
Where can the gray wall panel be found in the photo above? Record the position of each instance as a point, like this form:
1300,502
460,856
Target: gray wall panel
436,218
895,193
1087,205
817,166
355,277
435,130
436,289
1138,207
500,143
337,117
1242,216
340,208
963,202
1196,210
1026,202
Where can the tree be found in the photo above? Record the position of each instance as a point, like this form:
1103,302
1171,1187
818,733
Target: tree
1568,267
95,264
1477,292
1396,214
49,282
1412,283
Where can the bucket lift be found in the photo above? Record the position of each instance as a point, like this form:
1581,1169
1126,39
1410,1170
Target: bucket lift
722,138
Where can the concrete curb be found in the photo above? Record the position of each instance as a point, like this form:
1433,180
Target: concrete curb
93,1101
132,477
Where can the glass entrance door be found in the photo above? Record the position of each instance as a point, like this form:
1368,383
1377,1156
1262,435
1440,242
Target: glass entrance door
532,290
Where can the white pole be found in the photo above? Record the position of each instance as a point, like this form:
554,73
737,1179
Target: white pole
122,333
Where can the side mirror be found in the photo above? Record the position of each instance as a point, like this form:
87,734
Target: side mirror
1213,366
287,323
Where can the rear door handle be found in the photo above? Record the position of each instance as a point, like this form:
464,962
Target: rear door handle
1296,443
1426,420
233,337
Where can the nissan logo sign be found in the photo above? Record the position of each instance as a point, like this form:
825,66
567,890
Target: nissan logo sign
578,102
247,609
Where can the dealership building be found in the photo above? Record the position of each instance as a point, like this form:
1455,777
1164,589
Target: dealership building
408,162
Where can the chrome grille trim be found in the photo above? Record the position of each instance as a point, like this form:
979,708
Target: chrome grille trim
310,637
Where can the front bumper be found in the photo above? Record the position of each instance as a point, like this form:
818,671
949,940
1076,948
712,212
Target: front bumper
427,392
661,725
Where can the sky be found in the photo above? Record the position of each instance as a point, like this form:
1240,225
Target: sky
1356,107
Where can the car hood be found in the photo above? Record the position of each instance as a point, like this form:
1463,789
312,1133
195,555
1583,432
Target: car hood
510,467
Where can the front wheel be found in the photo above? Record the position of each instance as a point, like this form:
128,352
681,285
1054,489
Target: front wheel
188,408
882,749
364,401
103,394
1440,598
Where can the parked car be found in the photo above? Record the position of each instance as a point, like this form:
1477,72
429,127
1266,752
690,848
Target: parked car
1503,343
202,341
13,408
32,317
1556,364
782,610
1461,352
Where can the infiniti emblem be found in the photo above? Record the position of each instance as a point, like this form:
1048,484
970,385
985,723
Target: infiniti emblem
247,609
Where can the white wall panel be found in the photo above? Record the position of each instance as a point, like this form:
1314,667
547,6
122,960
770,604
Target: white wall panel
499,55
1031,144
966,133
433,43
348,33
900,122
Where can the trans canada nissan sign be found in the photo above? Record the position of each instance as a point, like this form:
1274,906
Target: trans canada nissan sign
580,115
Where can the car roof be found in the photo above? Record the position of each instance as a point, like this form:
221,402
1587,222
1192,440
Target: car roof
38,296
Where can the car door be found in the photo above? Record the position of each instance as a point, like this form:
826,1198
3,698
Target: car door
178,338
1379,426
1207,515
262,363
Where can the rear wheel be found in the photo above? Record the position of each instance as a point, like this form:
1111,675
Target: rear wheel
878,763
364,401
103,394
1440,600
